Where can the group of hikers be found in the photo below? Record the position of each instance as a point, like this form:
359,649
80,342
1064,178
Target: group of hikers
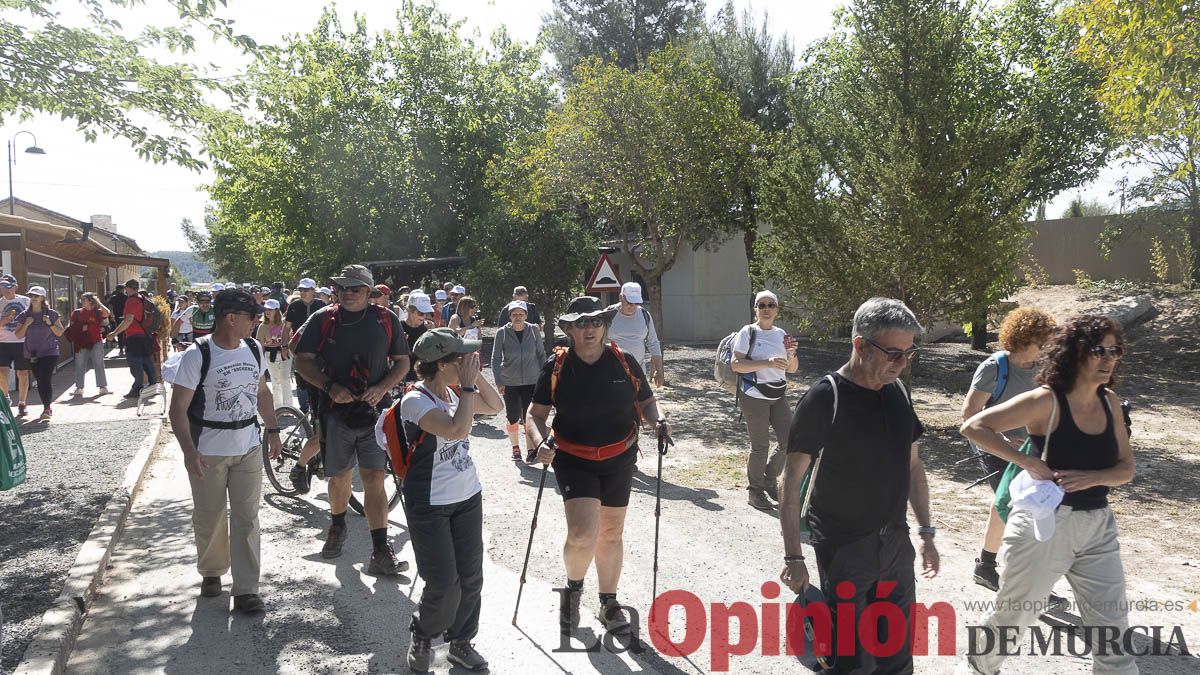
845,471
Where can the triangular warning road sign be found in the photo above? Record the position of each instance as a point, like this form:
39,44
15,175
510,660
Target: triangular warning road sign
604,277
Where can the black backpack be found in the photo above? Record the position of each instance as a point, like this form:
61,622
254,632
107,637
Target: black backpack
196,407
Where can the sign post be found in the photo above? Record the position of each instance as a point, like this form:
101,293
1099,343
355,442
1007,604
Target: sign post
604,277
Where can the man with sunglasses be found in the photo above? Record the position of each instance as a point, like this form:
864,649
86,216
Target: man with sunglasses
365,355
857,428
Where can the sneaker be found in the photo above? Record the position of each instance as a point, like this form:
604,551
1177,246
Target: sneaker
78,392
249,603
531,456
210,587
772,489
758,499
613,618
22,409
568,610
104,391
1056,603
334,538
420,655
134,393
47,413
300,479
384,563
462,653
986,575
516,453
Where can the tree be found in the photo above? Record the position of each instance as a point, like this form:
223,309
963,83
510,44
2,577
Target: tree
924,132
656,157
1149,54
366,147
102,79
1086,208
623,32
754,66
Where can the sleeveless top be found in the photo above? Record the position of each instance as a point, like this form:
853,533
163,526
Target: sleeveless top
1074,449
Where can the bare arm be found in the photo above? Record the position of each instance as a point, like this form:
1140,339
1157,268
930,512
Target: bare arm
795,572
57,328
1030,410
918,497
442,425
181,398
538,431
741,364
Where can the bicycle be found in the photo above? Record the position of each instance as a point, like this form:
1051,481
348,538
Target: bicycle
295,430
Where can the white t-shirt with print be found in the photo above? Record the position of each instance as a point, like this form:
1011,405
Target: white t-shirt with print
9,309
453,477
230,395
184,316
768,344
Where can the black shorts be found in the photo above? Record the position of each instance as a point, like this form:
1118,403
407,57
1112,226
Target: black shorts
993,467
12,355
608,480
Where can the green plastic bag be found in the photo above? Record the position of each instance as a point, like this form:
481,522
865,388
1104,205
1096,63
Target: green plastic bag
12,451
1003,498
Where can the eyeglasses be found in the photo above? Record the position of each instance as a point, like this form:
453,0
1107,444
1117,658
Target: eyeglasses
1114,352
588,322
768,305
352,289
894,355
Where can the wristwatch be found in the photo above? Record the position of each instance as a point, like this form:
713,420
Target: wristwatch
327,386
469,390
273,430
926,529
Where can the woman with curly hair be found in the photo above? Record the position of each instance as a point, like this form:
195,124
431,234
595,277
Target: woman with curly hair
1081,453
1002,377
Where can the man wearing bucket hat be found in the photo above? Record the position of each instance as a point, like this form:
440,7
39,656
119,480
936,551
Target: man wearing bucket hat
364,355
600,398
442,494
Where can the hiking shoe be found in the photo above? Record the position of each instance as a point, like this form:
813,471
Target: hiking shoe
986,575
334,538
104,391
420,655
516,453
22,409
249,603
384,563
531,456
134,393
772,488
758,499
47,413
77,392
1056,603
568,610
210,587
462,653
300,479
613,617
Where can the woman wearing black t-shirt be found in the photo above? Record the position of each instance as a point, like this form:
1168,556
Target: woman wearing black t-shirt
1083,449
599,396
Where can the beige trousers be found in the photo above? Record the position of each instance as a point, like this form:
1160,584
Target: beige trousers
225,517
1085,549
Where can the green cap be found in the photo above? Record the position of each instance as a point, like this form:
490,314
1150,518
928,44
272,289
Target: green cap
439,343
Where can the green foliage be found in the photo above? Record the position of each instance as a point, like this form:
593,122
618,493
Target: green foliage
99,77
1082,279
924,134
657,157
366,147
1086,208
189,265
623,32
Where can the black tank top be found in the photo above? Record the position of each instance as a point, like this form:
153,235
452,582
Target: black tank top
1071,448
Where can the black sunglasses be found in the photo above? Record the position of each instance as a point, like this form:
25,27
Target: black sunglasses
1114,352
588,322
768,305
894,355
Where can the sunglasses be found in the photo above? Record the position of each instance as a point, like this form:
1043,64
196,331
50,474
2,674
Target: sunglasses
352,289
1114,352
588,322
767,305
894,355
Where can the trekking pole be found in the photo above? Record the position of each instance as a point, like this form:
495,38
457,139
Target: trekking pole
529,547
664,441
982,480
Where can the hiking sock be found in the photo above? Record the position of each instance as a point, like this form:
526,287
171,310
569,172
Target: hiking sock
987,557
378,538
338,518
575,585
605,597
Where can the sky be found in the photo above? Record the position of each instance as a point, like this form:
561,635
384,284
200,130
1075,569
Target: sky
147,201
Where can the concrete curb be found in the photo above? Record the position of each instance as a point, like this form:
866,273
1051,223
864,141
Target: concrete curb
51,646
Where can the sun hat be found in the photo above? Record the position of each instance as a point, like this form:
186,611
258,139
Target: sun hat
585,306
632,292
36,290
441,342
1038,498
354,275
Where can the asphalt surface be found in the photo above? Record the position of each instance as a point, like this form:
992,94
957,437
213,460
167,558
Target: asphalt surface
73,469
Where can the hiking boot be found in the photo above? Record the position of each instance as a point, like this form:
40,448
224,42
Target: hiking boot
1056,603
420,655
516,453
134,393
300,479
210,587
986,575
22,409
77,392
384,563
568,610
104,391
612,617
334,538
531,456
462,653
758,499
249,603
772,489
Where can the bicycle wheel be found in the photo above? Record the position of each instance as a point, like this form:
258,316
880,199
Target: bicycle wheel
391,487
294,431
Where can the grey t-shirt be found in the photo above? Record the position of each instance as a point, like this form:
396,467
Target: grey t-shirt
635,334
356,333
1020,380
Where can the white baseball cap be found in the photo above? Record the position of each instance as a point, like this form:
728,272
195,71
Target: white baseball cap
765,294
306,283
632,292
439,294
421,302
517,304
271,303
218,287
459,290
36,290
1038,498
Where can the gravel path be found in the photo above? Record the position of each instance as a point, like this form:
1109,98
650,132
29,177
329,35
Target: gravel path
73,469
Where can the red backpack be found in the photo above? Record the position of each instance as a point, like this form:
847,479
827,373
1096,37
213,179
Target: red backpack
329,322
399,449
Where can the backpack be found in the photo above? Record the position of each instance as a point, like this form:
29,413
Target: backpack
196,407
151,316
723,363
645,314
1001,359
329,323
395,438
560,357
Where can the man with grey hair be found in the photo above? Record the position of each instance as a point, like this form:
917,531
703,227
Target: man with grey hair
857,429
520,294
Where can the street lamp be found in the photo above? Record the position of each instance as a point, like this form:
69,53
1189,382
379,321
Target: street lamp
33,150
